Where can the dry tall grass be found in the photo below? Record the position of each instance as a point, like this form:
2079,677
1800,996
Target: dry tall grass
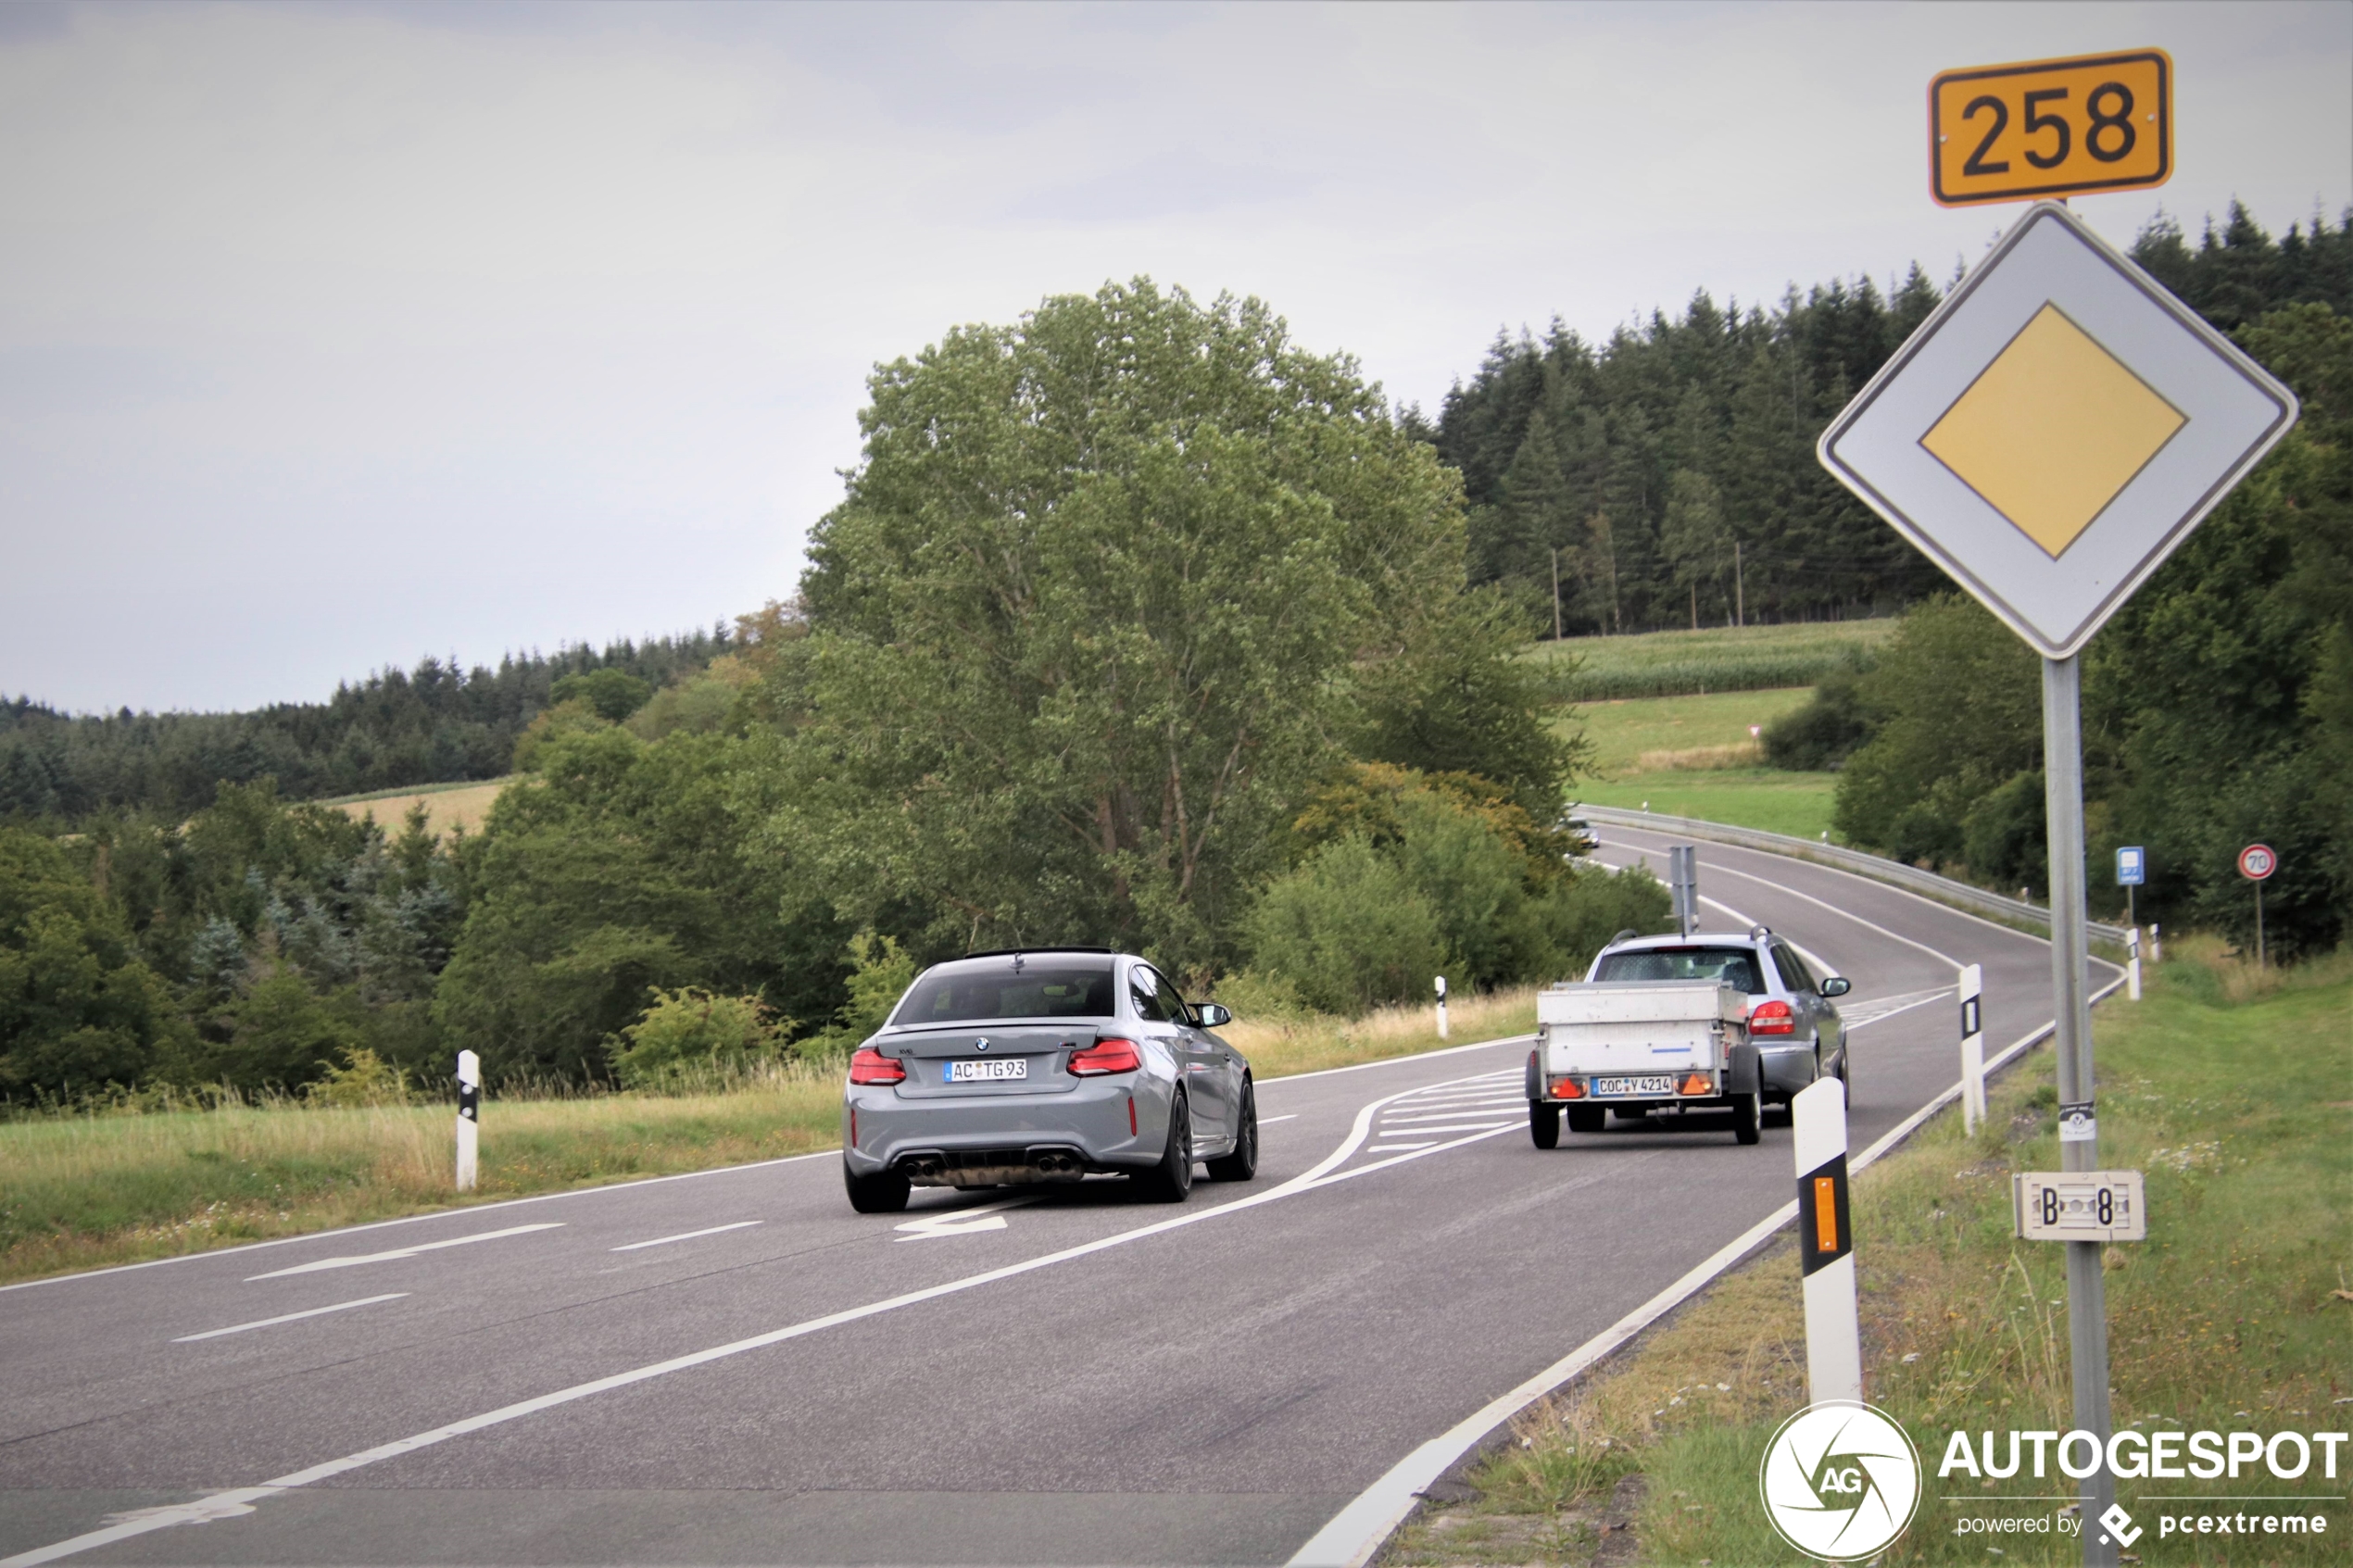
465,807
86,1191
1702,758
1277,1048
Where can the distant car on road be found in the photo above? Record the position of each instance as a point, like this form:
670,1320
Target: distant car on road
1581,833
1798,1033
1045,1065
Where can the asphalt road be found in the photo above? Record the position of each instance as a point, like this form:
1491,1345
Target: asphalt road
735,1368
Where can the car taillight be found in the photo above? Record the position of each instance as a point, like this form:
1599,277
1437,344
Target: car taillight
869,1066
1772,1018
1567,1088
1698,1083
1105,1056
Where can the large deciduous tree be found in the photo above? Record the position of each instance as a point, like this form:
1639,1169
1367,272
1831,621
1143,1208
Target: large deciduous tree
1091,621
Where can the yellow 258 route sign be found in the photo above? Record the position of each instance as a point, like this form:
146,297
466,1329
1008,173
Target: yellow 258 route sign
2051,128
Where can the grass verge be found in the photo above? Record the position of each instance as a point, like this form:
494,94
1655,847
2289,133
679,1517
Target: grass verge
89,1191
2238,1313
1764,798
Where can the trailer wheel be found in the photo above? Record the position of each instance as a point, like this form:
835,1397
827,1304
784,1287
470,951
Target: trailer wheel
1585,1118
1748,1117
1543,1124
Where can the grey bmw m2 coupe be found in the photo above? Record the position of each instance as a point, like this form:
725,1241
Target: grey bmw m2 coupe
1045,1065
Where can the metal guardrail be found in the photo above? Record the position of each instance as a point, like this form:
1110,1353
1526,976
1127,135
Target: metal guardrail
1877,867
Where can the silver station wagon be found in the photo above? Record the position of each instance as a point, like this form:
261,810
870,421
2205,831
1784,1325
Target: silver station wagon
1045,1065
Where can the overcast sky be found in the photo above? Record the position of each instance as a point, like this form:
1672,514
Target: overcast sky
333,336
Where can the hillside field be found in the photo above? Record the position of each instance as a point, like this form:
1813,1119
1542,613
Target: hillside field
446,805
1717,659
1693,756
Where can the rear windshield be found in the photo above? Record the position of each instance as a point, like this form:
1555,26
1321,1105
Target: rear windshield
1734,966
1038,988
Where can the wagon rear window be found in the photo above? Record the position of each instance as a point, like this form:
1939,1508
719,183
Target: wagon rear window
1049,988
1734,966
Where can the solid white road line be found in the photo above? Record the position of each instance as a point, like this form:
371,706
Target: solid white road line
1848,914
222,1505
1488,1126
353,1261
682,1236
287,1317
1891,1007
1357,1533
1390,1147
1270,1121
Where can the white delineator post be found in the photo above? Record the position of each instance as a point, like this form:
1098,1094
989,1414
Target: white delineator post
469,1116
2157,942
2133,962
1442,1006
1826,1245
1972,1048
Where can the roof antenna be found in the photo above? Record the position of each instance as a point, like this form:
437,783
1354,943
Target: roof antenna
1018,962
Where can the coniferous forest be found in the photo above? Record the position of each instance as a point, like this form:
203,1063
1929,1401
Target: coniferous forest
1215,654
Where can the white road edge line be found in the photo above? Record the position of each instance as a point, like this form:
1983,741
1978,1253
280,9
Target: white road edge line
353,1260
1357,1534
1898,1012
1270,1121
1858,920
288,1317
656,1181
227,1504
682,1236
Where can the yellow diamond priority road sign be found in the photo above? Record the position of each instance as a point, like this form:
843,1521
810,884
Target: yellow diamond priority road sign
2055,429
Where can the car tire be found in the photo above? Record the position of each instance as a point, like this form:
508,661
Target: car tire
1585,1118
1845,1079
1543,1124
1748,1117
1172,1179
885,1192
1242,1163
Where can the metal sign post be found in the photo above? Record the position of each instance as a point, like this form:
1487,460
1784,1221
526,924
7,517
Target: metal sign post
1682,884
2257,863
2131,870
2049,435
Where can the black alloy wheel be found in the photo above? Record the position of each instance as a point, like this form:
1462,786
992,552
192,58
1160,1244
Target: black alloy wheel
1242,1163
1172,1179
1543,1124
885,1192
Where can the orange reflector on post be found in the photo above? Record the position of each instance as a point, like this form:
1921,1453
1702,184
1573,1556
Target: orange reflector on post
1826,1214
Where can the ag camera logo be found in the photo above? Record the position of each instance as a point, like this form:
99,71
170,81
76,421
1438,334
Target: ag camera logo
1840,1481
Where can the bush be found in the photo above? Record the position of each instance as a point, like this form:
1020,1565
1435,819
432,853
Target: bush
1348,931
365,1079
1819,737
689,1032
2005,836
880,971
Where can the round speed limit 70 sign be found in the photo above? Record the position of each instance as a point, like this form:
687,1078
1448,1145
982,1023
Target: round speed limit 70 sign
2258,861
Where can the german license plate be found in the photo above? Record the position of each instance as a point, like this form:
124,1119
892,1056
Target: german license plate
986,1071
1650,1085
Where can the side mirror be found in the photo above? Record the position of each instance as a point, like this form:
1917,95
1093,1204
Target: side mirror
1209,1015
1837,985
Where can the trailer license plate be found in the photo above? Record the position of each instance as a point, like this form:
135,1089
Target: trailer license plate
1651,1085
977,1071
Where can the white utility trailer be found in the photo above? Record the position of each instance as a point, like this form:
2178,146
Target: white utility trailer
1637,1046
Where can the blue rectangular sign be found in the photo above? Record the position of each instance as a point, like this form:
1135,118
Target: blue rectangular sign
2129,864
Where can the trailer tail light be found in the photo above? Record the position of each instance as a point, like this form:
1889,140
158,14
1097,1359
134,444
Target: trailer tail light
1772,1018
1567,1088
1105,1056
1698,1083
869,1066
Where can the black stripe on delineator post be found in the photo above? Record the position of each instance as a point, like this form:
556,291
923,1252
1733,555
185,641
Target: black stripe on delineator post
1822,1216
